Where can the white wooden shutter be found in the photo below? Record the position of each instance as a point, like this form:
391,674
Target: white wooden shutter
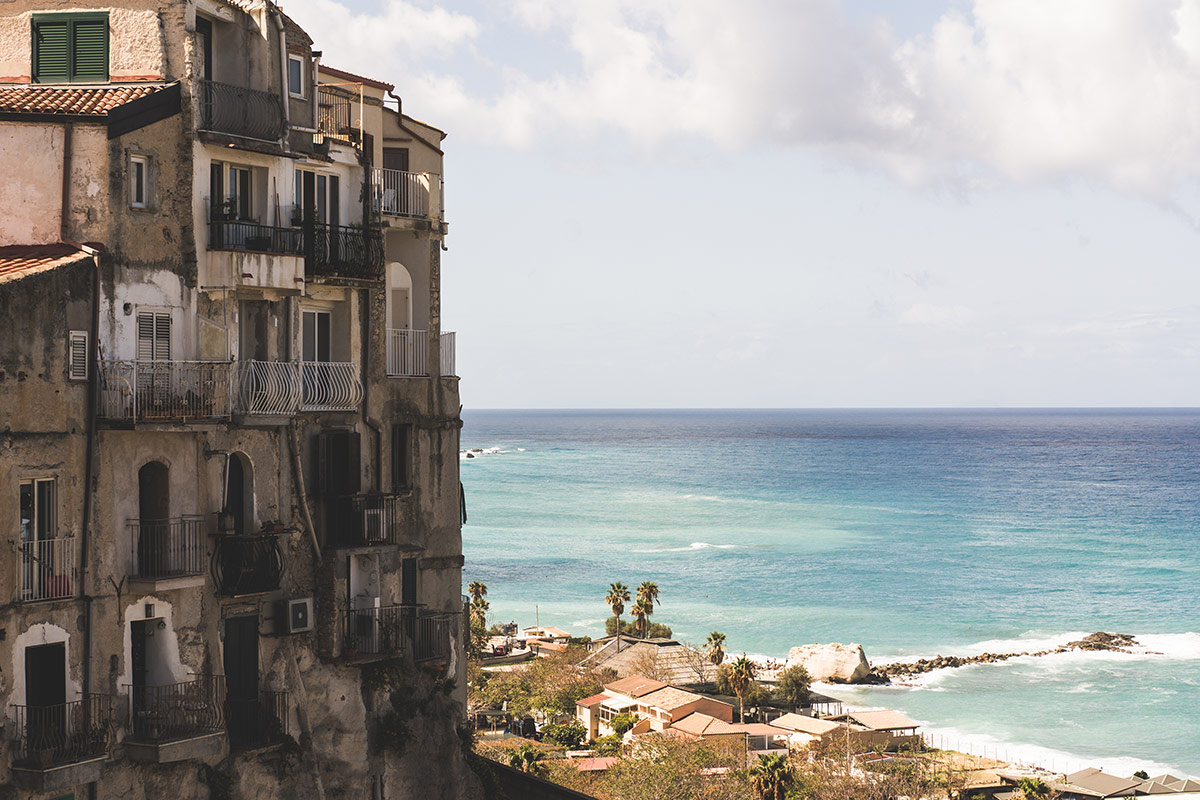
77,356
154,336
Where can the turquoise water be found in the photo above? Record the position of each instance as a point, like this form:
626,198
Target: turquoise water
910,532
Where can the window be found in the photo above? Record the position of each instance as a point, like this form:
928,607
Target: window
231,188
395,158
77,356
204,33
139,181
70,48
295,76
401,457
318,195
314,336
37,510
154,336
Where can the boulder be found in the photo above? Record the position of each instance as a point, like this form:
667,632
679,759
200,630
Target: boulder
832,663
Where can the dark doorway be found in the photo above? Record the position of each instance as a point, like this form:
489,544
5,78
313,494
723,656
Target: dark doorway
46,698
137,655
154,510
245,717
235,498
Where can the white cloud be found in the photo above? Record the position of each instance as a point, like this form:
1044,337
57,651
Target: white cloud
1024,90
936,316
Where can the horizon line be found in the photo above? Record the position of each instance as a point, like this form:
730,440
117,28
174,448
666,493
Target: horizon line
833,408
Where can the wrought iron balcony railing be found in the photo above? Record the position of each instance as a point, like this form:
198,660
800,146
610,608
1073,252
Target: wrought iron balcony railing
330,386
432,634
370,632
243,565
165,391
402,194
365,520
447,355
343,251
51,736
177,711
269,388
240,111
334,115
407,353
168,548
258,721
46,569
232,234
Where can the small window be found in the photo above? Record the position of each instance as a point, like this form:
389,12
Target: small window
295,76
139,181
70,48
154,336
77,356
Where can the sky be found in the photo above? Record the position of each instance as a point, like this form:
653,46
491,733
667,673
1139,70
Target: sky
806,203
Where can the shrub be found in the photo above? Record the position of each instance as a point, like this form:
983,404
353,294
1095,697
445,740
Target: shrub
623,722
568,734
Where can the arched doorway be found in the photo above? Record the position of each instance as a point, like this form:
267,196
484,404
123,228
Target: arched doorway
239,493
154,512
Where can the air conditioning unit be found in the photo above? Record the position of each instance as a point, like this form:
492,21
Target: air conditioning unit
299,617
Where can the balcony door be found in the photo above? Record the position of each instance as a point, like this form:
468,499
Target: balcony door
46,698
38,530
154,511
245,717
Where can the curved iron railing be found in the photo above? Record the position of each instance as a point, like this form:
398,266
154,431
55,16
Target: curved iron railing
268,387
344,251
49,736
168,548
330,386
178,710
247,564
257,721
240,111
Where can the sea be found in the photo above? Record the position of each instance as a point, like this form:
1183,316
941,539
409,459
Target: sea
911,532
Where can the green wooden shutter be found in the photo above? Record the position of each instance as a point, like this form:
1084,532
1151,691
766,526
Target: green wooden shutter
89,57
50,51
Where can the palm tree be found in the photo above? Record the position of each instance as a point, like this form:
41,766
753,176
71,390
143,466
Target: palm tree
771,777
741,676
479,609
477,590
642,610
617,597
714,646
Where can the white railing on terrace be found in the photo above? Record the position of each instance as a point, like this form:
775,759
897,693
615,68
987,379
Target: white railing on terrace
46,569
447,349
268,387
330,386
177,391
402,194
407,353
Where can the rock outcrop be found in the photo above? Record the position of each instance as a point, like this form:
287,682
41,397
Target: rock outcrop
1115,642
833,663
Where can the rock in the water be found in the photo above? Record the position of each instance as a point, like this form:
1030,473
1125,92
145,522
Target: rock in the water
834,663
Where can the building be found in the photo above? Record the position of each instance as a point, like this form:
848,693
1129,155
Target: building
672,661
229,417
656,704
804,730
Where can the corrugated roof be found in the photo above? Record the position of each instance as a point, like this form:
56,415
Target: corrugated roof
635,686
803,724
883,720
21,261
91,101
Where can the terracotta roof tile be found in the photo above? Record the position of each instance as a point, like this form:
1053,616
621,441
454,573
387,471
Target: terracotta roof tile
19,261
92,101
350,76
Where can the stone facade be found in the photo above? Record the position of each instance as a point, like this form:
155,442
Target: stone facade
229,427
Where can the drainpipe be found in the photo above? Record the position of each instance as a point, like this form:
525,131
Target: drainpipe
372,423
316,54
285,92
93,392
65,207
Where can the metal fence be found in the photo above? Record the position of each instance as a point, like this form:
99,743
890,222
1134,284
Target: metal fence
244,565
330,386
403,194
447,355
228,234
373,631
268,388
48,736
333,115
344,251
364,520
46,569
168,391
178,710
168,548
225,108
431,634
407,353
258,721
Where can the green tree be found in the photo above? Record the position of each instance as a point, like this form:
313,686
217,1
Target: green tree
479,609
647,598
792,686
655,630
664,767
617,597
621,723
714,647
771,777
528,758
641,611
741,677
609,745
569,734
477,590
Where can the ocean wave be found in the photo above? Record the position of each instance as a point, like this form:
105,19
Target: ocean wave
476,452
692,546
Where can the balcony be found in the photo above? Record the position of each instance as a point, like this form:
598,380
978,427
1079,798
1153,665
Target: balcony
403,194
168,553
447,355
367,520
407,353
431,634
246,565
258,722
372,633
341,251
268,388
46,570
62,745
334,115
165,391
330,386
241,112
177,722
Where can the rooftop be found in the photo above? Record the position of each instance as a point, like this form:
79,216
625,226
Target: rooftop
669,698
803,724
593,700
71,101
21,261
635,686
1093,782
352,78
882,720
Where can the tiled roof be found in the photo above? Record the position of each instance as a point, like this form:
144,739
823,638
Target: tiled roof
93,101
635,686
350,76
18,261
593,700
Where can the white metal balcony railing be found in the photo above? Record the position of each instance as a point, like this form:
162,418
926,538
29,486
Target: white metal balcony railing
178,391
407,353
447,350
268,388
330,386
46,569
402,194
